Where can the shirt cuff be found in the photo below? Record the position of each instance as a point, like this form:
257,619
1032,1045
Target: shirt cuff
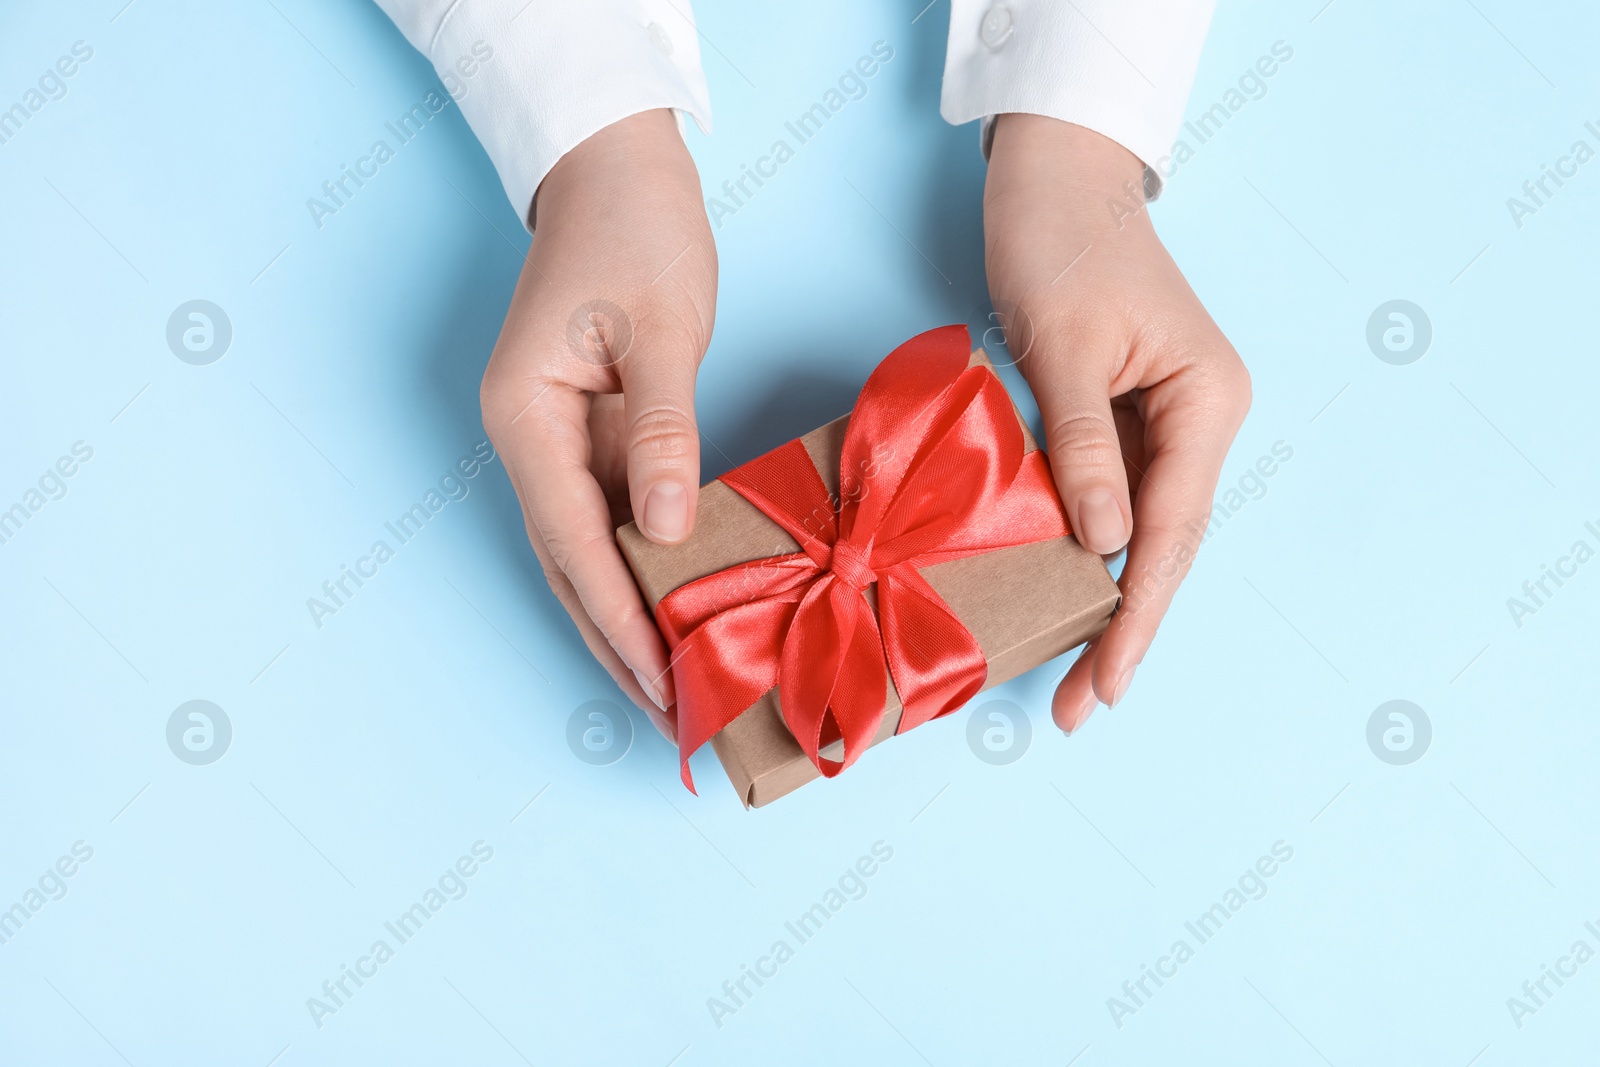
534,79
1122,68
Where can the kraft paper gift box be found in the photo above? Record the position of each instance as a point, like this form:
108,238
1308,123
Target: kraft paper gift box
1025,605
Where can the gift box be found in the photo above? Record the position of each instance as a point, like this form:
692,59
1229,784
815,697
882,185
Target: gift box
870,576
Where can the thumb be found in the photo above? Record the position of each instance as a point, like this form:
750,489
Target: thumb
1072,385
662,440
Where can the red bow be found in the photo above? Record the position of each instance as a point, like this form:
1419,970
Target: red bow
933,469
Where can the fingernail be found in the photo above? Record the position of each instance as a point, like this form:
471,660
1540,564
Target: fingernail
666,512
1100,520
1081,718
649,689
663,725
1121,687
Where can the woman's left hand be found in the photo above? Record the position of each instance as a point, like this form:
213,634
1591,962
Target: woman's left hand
1140,392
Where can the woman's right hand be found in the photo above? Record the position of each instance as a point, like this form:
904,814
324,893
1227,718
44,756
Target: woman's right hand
589,396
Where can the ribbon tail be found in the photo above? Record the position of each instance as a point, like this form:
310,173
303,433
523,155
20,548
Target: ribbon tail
718,673
934,660
726,635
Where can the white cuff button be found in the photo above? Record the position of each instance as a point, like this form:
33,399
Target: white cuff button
659,38
996,27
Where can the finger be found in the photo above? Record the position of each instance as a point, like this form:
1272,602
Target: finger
627,679
1075,698
1191,425
546,447
1072,383
662,441
665,722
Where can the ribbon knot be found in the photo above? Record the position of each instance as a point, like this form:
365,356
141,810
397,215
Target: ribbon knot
852,566
938,455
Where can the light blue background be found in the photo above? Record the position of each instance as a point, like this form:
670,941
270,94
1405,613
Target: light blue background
371,753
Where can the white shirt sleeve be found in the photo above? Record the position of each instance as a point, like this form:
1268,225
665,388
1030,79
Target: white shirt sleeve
534,78
1122,68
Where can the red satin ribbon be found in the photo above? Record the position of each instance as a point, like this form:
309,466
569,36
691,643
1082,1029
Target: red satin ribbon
933,469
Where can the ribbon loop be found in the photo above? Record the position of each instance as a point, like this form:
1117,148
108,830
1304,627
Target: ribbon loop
934,460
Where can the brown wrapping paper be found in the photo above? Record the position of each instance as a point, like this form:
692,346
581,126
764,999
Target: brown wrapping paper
1024,605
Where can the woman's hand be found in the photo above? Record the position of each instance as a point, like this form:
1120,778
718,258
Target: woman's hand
1140,393
589,396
